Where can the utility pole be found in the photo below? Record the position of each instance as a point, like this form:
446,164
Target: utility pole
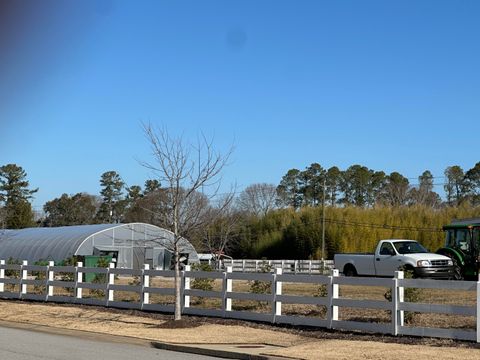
323,223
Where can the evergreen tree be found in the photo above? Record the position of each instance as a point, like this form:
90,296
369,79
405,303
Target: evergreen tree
151,186
333,180
311,185
288,191
455,185
473,184
14,197
113,205
66,210
356,185
377,183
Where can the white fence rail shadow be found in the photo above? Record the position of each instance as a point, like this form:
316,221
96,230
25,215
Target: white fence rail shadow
16,279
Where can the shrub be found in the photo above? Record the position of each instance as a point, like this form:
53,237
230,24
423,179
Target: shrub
100,278
262,287
202,283
40,275
12,274
322,291
410,294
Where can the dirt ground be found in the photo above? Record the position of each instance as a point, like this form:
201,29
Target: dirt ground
299,343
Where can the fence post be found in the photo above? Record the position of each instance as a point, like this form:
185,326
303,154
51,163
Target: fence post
395,302
332,311
399,298
111,281
295,267
78,280
24,277
50,278
256,265
243,265
186,298
277,290
2,276
478,309
310,267
145,284
227,287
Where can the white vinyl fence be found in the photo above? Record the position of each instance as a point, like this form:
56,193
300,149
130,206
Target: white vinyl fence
275,298
322,267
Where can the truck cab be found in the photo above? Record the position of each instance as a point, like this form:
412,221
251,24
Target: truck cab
392,255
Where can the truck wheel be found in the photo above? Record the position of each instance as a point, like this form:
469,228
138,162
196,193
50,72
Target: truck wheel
409,271
457,270
350,270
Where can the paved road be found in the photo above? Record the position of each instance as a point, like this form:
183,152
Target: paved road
17,344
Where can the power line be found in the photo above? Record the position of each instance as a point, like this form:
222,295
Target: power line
382,226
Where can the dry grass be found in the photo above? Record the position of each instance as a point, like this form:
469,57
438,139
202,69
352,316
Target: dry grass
295,343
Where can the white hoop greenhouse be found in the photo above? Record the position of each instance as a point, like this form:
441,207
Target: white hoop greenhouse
132,245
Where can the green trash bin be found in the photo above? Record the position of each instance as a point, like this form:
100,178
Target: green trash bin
92,261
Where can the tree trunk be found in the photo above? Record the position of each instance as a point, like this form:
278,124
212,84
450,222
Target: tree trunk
178,286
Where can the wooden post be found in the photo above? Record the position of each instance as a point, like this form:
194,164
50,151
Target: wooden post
78,280
2,276
50,278
145,284
24,277
186,298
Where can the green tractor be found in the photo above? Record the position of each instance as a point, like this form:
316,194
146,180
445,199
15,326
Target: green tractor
462,245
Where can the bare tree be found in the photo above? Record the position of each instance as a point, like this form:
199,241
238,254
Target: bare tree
258,199
187,173
218,236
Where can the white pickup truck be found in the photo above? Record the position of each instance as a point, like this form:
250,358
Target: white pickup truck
390,255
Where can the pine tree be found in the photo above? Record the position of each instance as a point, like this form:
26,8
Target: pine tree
113,205
14,197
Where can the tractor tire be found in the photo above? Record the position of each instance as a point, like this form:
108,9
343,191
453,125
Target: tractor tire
457,270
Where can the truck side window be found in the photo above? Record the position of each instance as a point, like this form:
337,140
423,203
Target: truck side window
387,249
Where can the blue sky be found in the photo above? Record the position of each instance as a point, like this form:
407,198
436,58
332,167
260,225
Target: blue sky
392,85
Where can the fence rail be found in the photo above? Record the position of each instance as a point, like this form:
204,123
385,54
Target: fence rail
288,266
49,277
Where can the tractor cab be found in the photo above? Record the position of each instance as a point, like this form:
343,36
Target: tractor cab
462,244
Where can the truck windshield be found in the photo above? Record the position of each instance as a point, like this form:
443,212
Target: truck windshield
409,247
